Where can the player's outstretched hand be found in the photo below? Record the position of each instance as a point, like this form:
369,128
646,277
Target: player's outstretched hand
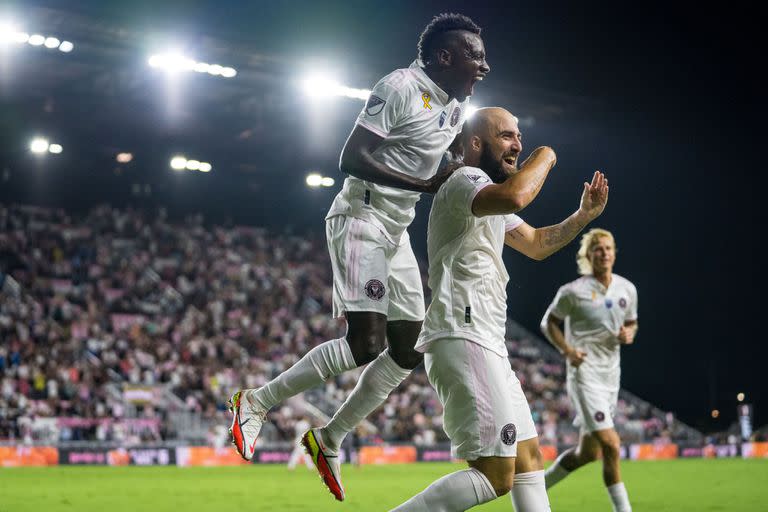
595,196
576,357
626,336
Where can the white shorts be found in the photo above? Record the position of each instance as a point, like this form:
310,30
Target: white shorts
370,273
594,407
485,411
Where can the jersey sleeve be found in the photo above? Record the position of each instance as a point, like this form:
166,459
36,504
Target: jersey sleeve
384,109
562,305
632,309
511,221
461,189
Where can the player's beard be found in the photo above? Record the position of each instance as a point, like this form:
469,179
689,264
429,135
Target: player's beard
493,165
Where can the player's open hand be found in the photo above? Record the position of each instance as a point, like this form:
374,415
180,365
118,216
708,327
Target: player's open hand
626,336
575,357
595,196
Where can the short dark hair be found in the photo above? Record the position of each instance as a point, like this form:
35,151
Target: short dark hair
439,25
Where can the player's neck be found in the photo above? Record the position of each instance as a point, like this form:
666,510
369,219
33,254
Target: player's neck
439,80
604,277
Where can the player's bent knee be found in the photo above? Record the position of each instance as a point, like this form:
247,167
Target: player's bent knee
407,359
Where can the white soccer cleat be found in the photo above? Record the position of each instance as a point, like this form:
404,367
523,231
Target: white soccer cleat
246,424
326,461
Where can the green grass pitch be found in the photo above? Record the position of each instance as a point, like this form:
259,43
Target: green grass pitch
697,485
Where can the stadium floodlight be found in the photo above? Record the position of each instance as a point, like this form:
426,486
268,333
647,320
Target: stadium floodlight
740,397
318,86
173,62
471,110
314,180
193,165
205,167
202,67
66,46
55,148
124,158
51,42
38,145
36,40
20,37
178,163
327,182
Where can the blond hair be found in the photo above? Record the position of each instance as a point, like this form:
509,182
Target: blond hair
588,240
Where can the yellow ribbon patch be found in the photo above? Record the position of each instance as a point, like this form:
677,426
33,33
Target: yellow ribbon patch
426,98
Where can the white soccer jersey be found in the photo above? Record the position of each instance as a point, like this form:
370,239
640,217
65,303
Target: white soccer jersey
418,122
466,271
593,315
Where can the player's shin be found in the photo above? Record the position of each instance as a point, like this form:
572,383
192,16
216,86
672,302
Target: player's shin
529,493
318,365
376,382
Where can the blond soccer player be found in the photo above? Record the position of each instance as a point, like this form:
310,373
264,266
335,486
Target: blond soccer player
588,321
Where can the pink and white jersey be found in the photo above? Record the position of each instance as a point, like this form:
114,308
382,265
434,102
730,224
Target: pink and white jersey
467,275
593,315
418,122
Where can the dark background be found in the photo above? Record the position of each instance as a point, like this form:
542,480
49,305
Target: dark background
665,99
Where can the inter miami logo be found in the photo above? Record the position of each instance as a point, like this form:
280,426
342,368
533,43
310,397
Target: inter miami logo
509,434
455,116
374,105
599,416
608,303
475,178
622,303
441,122
374,289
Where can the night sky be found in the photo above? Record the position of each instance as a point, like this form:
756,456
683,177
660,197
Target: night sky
665,100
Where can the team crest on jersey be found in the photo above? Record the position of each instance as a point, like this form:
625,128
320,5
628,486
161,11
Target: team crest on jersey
476,178
622,303
509,434
599,416
455,116
441,122
608,303
374,105
374,289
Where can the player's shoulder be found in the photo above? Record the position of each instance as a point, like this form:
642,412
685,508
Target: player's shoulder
624,282
401,80
580,283
474,175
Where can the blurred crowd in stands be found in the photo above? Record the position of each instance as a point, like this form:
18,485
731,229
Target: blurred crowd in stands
116,324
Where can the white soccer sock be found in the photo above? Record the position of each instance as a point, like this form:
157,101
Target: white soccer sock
374,386
458,491
619,497
529,493
556,472
318,365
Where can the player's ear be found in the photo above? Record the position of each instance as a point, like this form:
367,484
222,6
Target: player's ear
476,143
444,57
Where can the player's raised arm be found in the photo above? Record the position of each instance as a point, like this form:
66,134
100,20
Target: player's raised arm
357,160
519,189
539,243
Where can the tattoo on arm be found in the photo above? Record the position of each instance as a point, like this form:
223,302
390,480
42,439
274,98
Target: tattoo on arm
554,237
